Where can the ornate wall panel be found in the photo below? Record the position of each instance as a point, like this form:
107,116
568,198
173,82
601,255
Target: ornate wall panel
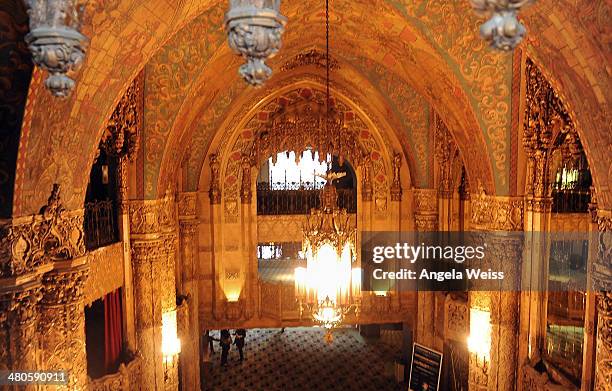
106,272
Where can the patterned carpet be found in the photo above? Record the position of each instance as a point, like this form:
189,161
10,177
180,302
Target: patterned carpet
299,359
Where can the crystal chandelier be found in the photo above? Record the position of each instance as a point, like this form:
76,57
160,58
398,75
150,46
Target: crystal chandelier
329,287
254,30
55,42
503,30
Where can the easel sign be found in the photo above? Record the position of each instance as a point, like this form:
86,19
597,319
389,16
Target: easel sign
425,369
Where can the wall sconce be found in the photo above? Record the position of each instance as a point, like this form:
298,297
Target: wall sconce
479,340
254,29
171,344
55,42
232,297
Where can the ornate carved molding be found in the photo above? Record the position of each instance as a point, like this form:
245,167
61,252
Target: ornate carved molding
396,186
456,317
425,209
187,205
245,188
310,57
603,362
497,213
30,242
215,189
64,287
446,152
545,118
152,216
127,377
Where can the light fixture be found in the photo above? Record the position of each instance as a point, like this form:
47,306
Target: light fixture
55,42
254,30
171,344
503,30
329,287
479,340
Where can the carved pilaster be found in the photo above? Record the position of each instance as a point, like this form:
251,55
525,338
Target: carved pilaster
396,186
445,151
62,321
602,281
188,235
148,260
245,188
215,189
425,210
366,181
18,327
499,214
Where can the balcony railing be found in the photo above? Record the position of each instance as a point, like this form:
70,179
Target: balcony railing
100,224
296,201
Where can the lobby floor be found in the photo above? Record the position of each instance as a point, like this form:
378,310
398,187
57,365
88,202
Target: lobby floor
300,360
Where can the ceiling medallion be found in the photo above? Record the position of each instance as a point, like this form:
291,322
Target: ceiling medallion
503,30
254,30
55,42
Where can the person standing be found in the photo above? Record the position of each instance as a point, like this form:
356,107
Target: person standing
226,342
239,340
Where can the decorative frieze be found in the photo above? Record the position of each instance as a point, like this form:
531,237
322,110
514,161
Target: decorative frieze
497,213
152,216
311,57
54,234
425,210
245,188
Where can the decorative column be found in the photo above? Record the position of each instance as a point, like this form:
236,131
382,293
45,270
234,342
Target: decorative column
188,244
42,273
153,243
601,282
426,220
446,153
500,216
18,327
62,320
121,140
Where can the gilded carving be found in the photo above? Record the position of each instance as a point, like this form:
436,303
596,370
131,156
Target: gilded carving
396,186
456,318
447,155
122,134
54,234
545,118
127,377
245,188
152,216
187,204
425,209
496,213
215,189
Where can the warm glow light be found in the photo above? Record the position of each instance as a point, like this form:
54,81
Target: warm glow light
479,341
380,293
233,296
171,344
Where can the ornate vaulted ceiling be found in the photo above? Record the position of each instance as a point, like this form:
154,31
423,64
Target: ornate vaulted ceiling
399,59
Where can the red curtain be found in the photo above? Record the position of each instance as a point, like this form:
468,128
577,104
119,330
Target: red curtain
113,330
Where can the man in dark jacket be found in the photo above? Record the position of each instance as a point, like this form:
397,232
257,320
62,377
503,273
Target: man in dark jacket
226,342
239,340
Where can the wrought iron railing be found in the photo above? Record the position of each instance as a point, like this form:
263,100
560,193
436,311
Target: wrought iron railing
100,224
271,201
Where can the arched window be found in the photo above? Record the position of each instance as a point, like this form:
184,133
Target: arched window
289,183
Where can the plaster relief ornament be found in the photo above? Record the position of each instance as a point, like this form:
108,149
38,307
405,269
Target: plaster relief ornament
254,30
55,42
503,30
